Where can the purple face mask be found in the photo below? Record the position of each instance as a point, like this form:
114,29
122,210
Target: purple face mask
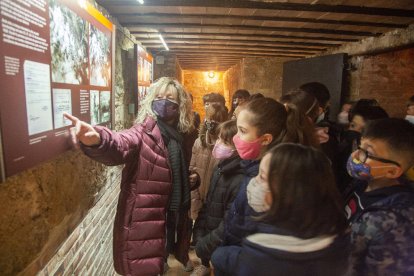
165,109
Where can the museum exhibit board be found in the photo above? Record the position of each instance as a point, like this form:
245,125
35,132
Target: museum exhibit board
57,57
144,73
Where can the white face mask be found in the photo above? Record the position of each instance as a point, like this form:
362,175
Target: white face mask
410,118
256,193
320,117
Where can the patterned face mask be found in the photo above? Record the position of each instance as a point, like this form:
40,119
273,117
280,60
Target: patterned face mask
362,171
256,194
211,125
165,109
358,170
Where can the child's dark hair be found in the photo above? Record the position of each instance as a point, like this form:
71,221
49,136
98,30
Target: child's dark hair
256,96
241,93
271,117
360,105
305,200
369,113
398,134
227,130
214,97
319,91
305,102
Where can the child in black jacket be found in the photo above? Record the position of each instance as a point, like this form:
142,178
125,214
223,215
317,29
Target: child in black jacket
224,185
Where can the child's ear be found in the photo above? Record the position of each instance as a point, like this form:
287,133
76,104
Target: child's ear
394,172
267,139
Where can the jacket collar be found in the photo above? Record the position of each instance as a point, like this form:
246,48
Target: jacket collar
149,124
150,127
231,165
291,243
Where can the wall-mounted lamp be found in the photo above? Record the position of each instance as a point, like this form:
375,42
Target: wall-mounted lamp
211,74
141,2
163,42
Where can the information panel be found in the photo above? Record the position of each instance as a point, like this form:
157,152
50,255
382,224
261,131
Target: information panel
144,71
56,57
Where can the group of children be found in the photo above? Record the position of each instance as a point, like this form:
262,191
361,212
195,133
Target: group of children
271,195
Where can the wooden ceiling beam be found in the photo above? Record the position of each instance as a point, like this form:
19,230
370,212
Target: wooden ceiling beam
242,53
161,26
264,47
121,16
250,49
208,61
233,34
181,53
266,6
177,40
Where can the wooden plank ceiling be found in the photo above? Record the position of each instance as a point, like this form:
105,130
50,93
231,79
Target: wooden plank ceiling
216,34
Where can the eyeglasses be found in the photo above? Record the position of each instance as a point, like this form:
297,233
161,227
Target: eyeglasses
363,155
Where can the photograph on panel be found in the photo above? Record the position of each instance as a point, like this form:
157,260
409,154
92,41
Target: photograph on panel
105,106
100,57
95,112
69,45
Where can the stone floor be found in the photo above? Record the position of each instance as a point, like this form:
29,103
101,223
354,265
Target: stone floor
176,268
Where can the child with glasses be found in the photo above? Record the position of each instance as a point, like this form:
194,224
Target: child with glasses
380,202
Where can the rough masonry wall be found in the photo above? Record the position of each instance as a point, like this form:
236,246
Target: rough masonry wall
381,68
198,84
45,205
179,71
387,77
168,69
263,75
232,82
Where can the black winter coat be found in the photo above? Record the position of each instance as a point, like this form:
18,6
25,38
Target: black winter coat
209,228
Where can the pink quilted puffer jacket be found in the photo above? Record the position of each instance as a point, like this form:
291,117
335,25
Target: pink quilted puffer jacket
139,227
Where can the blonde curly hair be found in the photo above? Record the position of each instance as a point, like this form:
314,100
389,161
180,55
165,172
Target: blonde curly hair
186,116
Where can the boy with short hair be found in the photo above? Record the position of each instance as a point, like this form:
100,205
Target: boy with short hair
380,206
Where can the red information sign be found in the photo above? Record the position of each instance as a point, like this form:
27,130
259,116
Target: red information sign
56,56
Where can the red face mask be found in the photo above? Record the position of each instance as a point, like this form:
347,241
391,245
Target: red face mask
247,150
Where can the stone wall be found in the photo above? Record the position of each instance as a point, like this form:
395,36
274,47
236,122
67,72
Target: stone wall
170,68
88,249
198,83
179,72
232,82
387,77
381,68
49,204
263,75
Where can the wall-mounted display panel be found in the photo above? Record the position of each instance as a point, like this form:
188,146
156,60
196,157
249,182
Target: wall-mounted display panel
56,57
144,73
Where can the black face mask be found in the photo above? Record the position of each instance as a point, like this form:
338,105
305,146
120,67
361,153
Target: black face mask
211,125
